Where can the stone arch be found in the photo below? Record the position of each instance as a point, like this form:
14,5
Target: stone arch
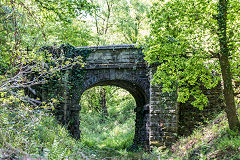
94,77
136,91
136,86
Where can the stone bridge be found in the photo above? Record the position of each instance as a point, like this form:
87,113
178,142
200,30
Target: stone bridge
159,118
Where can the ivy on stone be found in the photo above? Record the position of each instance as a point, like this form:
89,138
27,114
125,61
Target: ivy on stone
63,80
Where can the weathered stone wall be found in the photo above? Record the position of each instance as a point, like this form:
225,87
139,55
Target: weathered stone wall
121,66
163,116
190,117
170,119
116,54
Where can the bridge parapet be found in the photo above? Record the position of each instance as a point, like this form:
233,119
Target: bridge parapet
114,56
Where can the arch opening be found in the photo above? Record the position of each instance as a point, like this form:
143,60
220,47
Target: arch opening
124,112
107,117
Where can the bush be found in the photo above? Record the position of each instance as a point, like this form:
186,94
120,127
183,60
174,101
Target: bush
34,133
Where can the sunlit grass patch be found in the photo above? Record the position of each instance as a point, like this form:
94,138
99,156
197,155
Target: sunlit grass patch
107,134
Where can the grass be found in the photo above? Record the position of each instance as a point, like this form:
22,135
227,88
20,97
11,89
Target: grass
114,132
213,141
106,134
29,133
25,132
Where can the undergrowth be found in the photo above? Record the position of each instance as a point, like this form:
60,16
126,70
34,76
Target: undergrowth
107,133
25,132
114,131
213,141
29,133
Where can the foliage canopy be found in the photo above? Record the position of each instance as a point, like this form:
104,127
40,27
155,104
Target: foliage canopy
184,41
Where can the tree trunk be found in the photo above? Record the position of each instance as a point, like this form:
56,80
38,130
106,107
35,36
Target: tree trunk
226,67
103,102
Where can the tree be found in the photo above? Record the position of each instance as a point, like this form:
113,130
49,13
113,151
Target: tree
224,56
103,102
97,98
117,22
102,18
131,21
24,24
193,42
